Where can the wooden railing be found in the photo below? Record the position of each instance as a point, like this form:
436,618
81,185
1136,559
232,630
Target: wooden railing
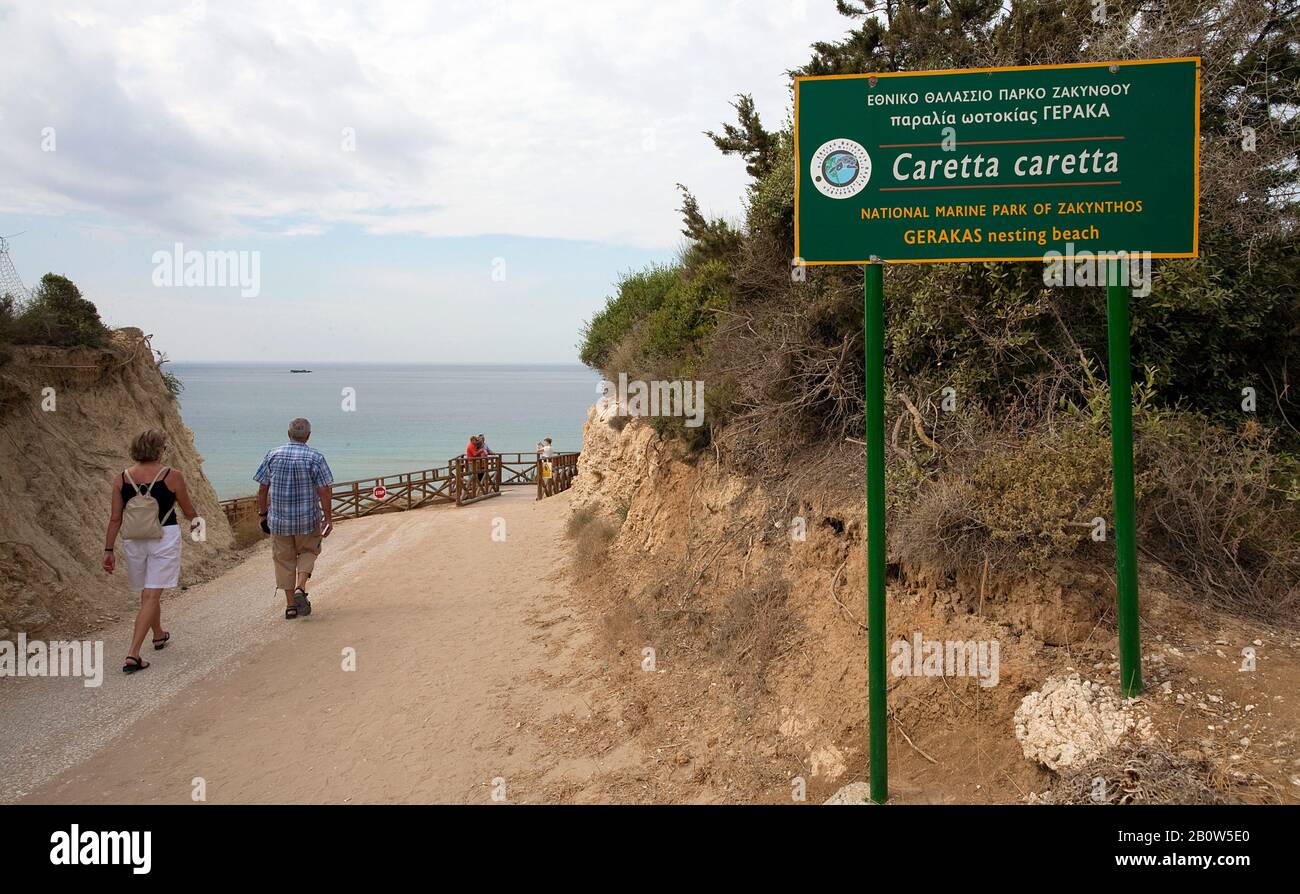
556,474
392,493
477,478
462,481
517,468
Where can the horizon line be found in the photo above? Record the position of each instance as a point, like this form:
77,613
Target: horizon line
174,361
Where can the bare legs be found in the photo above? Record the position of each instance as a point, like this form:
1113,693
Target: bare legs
150,617
300,583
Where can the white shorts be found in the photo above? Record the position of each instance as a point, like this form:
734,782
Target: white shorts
154,564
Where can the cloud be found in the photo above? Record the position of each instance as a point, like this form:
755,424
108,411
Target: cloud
565,119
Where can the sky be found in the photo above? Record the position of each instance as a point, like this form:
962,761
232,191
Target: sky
400,181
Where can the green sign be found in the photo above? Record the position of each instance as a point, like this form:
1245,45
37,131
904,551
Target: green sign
999,164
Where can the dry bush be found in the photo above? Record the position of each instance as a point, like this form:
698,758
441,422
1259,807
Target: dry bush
792,364
591,535
1213,504
751,630
1150,773
1021,488
1215,515
942,530
628,357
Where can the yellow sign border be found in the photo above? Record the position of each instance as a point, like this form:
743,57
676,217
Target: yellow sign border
1196,155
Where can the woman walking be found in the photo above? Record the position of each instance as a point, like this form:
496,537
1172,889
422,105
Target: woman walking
145,498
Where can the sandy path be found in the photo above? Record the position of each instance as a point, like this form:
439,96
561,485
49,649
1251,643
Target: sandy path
461,649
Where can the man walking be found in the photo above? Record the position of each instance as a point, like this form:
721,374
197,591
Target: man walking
294,504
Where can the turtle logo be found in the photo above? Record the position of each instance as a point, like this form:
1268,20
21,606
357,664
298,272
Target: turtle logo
840,169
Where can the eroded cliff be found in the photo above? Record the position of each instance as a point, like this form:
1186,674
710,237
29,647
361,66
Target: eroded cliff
67,417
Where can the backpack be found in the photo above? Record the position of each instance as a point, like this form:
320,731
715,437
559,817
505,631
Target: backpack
140,514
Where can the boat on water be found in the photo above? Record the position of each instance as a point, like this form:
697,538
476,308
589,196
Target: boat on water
299,370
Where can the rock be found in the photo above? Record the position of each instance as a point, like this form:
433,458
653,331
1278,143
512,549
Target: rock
1070,721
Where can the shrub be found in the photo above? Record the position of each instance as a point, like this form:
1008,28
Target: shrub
688,310
591,536
639,295
1220,512
174,385
1041,494
58,315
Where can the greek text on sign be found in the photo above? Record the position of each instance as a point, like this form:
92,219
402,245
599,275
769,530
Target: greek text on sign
1004,164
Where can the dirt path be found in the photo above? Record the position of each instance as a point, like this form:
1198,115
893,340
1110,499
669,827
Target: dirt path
465,661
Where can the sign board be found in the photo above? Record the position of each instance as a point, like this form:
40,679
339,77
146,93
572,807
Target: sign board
999,164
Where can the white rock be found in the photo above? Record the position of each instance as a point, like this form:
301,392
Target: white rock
1070,721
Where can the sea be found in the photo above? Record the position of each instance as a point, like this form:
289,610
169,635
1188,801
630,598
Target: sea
376,419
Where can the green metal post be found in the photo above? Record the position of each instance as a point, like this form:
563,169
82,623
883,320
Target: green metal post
873,295
1121,447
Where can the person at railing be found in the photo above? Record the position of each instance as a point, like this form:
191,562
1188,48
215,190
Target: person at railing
294,502
545,449
477,450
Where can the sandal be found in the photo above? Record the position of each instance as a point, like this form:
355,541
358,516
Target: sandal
302,603
130,668
161,643
291,612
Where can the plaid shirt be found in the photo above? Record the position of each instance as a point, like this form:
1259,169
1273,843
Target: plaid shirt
294,472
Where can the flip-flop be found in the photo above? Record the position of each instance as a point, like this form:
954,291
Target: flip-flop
302,603
160,644
129,668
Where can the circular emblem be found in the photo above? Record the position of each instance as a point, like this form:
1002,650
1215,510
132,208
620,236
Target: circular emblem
380,492
840,169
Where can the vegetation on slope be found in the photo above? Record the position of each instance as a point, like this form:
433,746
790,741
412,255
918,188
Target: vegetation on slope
1020,466
56,315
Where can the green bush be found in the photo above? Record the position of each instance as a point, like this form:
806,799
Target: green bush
56,315
660,314
688,310
1039,499
639,295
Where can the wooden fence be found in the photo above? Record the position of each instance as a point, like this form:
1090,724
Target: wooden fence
462,481
477,478
556,474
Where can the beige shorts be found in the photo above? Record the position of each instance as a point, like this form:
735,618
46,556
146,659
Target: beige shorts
294,553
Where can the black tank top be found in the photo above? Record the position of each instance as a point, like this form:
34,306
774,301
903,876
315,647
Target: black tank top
159,491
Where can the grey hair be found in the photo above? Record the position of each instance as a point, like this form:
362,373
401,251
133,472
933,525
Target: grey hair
299,429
